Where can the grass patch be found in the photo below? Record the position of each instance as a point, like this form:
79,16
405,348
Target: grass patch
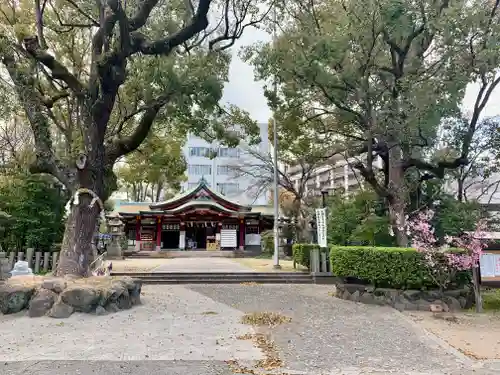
491,299
265,318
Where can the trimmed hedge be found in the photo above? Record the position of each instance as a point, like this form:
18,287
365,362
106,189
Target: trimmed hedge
390,267
301,253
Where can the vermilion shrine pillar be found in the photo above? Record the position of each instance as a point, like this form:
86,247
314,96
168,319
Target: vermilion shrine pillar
137,233
158,233
242,234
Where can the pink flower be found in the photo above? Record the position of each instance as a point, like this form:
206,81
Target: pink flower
425,241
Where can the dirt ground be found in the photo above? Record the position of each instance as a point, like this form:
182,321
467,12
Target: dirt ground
266,265
137,265
476,335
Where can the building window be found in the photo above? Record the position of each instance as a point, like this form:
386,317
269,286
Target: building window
199,169
225,152
199,151
228,187
224,170
221,152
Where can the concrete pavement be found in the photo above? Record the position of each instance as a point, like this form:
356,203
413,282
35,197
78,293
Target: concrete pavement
193,330
191,265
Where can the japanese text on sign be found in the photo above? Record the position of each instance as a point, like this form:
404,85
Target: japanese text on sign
321,226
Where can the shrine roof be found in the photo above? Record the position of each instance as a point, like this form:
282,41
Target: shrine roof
205,204
199,194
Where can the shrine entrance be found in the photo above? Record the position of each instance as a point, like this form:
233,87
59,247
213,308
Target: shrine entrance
198,235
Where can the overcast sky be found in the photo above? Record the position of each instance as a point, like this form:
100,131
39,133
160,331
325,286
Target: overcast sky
247,94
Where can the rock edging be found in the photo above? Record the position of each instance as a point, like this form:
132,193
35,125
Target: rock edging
421,300
60,297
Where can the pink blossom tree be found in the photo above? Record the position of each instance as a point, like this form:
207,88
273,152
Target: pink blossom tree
442,263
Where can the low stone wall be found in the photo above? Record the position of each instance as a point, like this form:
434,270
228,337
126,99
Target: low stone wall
452,300
60,297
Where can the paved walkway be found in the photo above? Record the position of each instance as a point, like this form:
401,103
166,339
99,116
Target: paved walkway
189,265
193,330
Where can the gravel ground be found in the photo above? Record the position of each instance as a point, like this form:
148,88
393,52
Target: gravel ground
331,335
174,323
192,330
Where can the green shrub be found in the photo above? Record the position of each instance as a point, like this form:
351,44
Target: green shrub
301,253
267,242
390,267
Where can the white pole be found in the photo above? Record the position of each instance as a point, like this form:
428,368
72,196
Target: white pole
275,168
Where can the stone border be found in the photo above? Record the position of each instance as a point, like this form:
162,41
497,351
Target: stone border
421,300
60,297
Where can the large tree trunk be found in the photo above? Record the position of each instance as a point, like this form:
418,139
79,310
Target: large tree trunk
76,250
397,201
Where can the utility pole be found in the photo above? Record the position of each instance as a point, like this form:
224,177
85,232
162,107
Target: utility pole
276,231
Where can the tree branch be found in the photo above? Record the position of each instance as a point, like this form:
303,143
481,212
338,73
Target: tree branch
46,162
58,70
165,45
141,16
121,146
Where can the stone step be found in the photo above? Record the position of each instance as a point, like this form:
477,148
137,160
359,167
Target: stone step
219,277
239,275
225,281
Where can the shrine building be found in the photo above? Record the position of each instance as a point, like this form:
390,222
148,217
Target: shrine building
198,219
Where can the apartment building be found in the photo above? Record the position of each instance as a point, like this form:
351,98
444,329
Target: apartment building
214,162
336,173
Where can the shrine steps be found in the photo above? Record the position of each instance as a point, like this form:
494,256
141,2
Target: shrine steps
182,254
221,277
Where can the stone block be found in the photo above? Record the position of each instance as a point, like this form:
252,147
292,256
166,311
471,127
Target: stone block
29,256
439,305
14,298
340,287
423,305
452,303
60,310
410,306
390,295
351,288
380,300
99,310
367,298
463,302
355,296
412,295
346,295
80,297
55,285
399,306
41,303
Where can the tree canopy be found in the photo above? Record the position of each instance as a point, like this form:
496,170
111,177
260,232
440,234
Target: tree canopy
35,206
156,169
377,78
91,79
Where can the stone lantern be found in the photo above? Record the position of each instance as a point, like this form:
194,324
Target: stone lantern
115,227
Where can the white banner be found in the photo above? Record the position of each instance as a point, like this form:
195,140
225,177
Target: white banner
321,226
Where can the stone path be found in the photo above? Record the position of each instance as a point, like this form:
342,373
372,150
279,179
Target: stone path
202,265
193,330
